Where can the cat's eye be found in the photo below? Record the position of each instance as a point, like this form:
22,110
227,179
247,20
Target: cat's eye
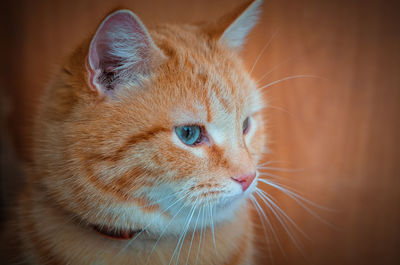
189,134
245,126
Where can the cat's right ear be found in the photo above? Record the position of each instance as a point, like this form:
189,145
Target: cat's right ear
232,28
121,54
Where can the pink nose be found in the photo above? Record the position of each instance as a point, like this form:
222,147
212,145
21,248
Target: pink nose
245,180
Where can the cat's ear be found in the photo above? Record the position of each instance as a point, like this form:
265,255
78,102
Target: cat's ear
121,53
233,28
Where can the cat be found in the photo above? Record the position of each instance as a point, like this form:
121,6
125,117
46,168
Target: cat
146,144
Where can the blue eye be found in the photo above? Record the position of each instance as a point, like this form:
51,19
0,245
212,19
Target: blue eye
189,134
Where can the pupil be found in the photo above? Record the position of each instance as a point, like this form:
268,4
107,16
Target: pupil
188,132
245,124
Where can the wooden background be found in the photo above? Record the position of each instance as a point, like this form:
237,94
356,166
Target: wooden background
341,132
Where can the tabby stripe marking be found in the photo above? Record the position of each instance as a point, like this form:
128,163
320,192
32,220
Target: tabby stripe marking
134,139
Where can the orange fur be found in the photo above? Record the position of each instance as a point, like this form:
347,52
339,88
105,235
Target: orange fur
98,160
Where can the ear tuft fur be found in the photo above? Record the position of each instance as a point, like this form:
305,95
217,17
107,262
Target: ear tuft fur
121,52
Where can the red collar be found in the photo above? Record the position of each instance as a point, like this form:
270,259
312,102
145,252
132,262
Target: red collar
116,234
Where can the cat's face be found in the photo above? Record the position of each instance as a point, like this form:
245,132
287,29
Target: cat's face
183,139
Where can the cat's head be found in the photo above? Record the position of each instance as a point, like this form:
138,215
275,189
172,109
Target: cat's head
143,126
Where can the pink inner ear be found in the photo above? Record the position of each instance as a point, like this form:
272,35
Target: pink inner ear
112,29
119,50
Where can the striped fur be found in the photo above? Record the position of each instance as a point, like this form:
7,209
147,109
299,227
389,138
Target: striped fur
117,162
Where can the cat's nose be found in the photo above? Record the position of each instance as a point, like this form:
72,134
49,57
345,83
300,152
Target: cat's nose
245,180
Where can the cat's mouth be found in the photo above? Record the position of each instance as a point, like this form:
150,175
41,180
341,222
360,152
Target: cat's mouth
113,233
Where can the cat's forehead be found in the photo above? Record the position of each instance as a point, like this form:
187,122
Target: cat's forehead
213,100
204,71
205,110
191,52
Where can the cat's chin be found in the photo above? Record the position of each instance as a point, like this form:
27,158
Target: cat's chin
203,212
227,207
206,215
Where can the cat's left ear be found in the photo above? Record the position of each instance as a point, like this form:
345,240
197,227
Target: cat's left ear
121,53
233,28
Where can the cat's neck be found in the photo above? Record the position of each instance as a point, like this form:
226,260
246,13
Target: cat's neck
66,235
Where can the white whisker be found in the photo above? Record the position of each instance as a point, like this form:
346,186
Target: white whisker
163,199
280,169
262,51
164,230
143,229
288,78
274,204
282,222
201,234
272,162
193,233
183,234
262,216
274,68
295,196
212,228
283,110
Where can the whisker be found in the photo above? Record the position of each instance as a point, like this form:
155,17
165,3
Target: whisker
262,176
260,173
163,199
201,234
269,223
295,196
183,235
283,223
289,78
271,162
163,231
262,51
193,233
187,227
283,110
154,218
280,169
280,184
274,68
212,229
261,214
274,204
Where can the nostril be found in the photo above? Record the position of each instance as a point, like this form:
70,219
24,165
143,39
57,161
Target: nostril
245,180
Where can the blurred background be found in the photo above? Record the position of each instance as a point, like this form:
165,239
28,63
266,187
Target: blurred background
335,138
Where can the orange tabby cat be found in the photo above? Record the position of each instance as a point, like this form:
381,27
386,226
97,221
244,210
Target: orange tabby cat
145,149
